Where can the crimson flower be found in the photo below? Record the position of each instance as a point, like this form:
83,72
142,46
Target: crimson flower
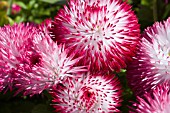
15,8
91,93
14,48
53,65
158,101
151,65
106,32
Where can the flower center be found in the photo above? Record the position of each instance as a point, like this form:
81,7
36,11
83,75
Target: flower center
35,59
88,98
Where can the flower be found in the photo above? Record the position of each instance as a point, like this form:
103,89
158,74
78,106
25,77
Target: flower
91,93
15,8
151,65
166,1
106,32
14,46
54,65
47,23
158,101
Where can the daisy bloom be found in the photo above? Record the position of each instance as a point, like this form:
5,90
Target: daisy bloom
106,31
158,101
151,65
46,25
15,8
53,66
14,46
95,93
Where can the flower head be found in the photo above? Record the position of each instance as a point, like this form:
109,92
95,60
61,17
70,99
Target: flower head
54,65
151,65
158,101
166,1
15,8
95,93
105,32
14,48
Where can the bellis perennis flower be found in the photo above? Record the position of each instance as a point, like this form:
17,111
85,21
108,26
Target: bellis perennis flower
156,102
14,46
95,93
151,65
53,65
15,8
106,31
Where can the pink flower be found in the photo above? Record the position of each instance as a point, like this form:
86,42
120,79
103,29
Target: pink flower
106,32
166,1
54,65
47,22
15,8
14,49
95,93
151,65
158,101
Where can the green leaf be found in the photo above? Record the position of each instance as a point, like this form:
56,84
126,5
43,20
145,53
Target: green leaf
22,5
11,22
50,1
146,2
19,19
4,20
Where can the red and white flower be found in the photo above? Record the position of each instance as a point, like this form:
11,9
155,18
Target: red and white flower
54,65
158,101
106,31
151,65
14,48
95,93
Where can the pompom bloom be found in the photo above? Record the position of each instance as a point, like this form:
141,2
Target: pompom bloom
15,8
156,102
53,66
95,93
106,31
151,65
14,48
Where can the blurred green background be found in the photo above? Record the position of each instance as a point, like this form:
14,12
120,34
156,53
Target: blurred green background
16,11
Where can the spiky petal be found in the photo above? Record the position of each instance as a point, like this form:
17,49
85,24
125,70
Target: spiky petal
158,101
54,65
151,65
107,31
95,93
14,46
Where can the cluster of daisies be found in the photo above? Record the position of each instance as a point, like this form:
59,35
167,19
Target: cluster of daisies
74,57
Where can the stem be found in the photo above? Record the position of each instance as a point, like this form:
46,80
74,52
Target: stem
155,14
10,7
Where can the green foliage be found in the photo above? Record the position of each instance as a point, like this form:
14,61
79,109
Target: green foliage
19,104
31,11
37,10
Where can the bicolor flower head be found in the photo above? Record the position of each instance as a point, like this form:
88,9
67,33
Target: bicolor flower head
46,25
95,93
14,49
158,101
53,65
151,65
104,31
